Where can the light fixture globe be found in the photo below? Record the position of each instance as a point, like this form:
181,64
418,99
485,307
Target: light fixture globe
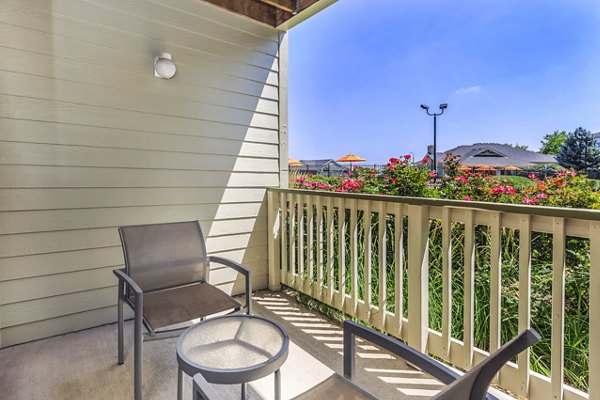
163,66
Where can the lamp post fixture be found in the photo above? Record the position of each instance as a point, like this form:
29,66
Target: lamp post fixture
425,107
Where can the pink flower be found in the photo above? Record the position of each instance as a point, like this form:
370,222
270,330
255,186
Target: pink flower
467,198
541,196
432,174
461,178
528,200
531,175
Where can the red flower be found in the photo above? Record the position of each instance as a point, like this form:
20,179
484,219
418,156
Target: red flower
394,160
461,178
467,198
407,156
425,159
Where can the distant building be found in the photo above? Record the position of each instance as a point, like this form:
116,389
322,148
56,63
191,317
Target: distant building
322,167
596,137
494,155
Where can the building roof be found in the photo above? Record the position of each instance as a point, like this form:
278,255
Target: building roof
321,165
499,155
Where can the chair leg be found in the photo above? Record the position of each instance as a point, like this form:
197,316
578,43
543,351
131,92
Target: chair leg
138,339
120,328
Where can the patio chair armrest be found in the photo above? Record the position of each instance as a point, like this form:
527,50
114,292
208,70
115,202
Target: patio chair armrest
422,361
123,277
242,269
203,390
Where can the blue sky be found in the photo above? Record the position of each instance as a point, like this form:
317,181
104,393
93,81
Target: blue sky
510,71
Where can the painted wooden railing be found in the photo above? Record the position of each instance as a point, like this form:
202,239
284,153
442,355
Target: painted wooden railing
309,236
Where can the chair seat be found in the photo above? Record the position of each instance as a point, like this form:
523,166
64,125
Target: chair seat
335,387
173,306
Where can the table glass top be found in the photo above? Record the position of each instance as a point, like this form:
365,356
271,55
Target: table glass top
232,342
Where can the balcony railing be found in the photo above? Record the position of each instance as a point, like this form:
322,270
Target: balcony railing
369,256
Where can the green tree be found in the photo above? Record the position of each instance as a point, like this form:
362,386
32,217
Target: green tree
552,142
579,151
517,146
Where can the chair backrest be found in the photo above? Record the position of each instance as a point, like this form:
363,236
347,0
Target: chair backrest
160,256
474,384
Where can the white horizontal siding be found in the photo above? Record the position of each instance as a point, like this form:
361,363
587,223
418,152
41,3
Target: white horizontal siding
91,140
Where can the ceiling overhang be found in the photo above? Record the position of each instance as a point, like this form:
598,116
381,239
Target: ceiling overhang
280,14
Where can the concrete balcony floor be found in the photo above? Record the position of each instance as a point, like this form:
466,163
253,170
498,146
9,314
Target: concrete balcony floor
83,364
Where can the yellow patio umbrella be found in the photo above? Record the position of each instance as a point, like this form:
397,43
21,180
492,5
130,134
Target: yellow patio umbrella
294,163
351,158
512,168
482,167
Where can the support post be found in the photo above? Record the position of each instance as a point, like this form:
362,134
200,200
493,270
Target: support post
418,276
274,240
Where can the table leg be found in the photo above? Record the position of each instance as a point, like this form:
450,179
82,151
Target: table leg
244,390
179,384
277,385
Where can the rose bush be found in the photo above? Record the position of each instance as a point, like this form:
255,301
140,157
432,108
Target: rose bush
400,177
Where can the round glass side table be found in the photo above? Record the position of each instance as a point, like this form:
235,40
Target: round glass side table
232,349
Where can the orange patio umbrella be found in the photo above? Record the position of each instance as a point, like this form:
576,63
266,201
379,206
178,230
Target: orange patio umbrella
294,163
351,158
483,167
512,168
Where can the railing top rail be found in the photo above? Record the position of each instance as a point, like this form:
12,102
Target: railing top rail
563,212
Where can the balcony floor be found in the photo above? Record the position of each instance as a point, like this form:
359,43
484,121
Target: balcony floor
83,364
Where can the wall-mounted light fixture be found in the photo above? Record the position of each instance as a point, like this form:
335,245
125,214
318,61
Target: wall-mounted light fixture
163,66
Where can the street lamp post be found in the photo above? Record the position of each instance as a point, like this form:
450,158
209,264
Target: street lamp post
425,107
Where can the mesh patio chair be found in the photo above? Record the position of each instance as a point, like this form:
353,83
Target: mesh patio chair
473,385
165,282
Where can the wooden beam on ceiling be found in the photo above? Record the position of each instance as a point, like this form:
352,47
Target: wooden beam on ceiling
284,5
282,16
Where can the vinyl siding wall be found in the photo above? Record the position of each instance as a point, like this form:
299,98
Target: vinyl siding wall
90,140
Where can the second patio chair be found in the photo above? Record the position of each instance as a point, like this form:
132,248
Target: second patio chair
473,385
165,282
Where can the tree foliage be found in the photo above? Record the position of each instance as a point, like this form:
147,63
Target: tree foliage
517,146
579,151
552,142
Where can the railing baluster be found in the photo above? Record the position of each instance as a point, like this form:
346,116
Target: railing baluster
341,254
300,276
524,298
330,252
382,233
367,263
285,221
310,260
594,350
399,265
351,306
446,279
558,308
469,288
495,280
320,231
418,273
